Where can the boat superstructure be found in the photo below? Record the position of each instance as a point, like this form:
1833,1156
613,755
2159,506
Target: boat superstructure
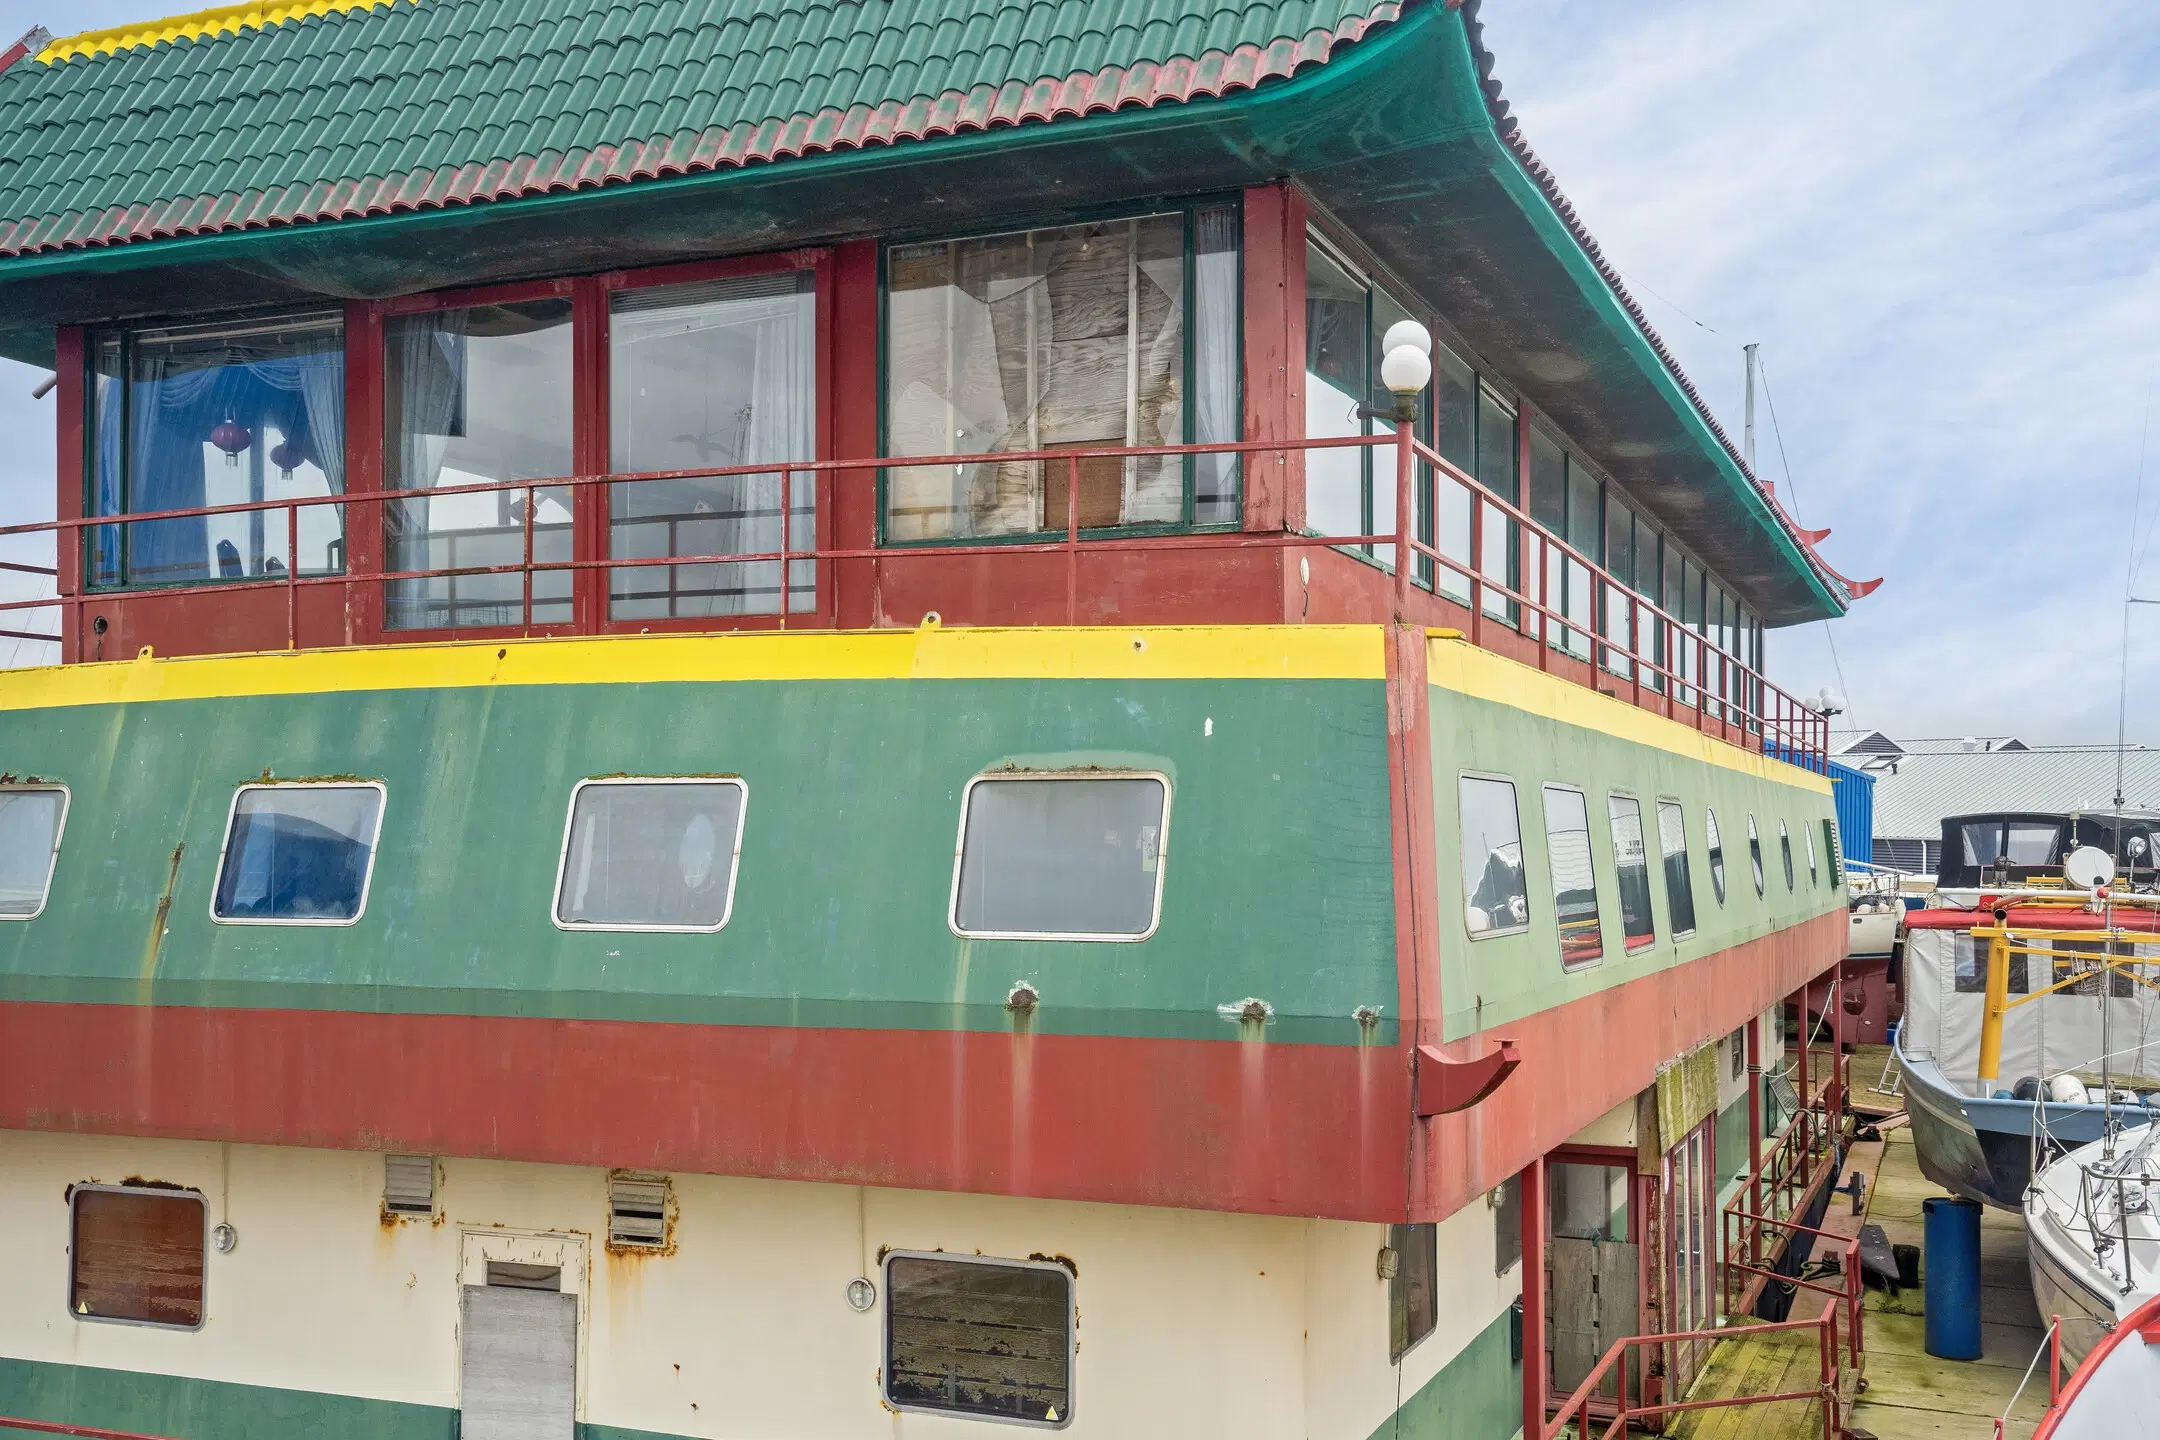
784,778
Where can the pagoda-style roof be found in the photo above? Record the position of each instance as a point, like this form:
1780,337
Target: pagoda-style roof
284,153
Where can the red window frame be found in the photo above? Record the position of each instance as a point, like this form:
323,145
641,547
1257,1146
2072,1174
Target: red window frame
589,437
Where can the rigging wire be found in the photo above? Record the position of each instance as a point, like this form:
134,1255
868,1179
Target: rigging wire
1777,433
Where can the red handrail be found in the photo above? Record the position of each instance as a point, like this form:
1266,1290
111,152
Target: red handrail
1695,675
1575,1411
56,1427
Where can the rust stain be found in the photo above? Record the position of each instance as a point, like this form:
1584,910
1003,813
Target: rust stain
156,941
1065,1260
636,1255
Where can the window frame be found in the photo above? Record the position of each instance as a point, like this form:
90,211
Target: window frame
202,1203
124,521
1755,859
1072,1336
1835,861
1628,944
1714,852
1589,843
562,859
1814,869
1784,836
367,879
52,862
1186,207
1659,804
1522,861
1162,855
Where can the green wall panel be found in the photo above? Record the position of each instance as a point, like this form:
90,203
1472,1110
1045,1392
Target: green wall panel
1493,981
1279,871
191,1409
1476,1396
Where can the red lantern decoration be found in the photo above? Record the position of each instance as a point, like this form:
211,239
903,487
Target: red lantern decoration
231,437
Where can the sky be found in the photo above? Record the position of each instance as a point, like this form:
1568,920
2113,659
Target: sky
1941,228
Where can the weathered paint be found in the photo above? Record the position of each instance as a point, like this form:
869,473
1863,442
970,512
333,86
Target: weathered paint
1477,1395
321,1318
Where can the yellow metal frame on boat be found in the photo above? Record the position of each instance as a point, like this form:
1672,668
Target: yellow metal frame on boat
2001,946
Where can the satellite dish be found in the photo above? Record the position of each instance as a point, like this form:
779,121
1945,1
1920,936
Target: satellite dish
2087,866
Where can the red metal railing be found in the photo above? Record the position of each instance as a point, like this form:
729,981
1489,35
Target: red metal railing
1791,1168
1575,1416
55,1427
1633,644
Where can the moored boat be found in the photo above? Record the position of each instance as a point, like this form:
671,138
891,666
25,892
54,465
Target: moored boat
2091,1236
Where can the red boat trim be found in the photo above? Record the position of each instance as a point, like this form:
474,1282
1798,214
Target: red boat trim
2135,1323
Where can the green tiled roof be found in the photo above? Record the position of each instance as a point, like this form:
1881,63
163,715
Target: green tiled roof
322,109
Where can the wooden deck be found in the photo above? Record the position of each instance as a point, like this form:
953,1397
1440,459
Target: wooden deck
1909,1394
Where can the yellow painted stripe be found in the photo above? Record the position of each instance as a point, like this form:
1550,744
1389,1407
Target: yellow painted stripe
197,25
1226,652
1455,664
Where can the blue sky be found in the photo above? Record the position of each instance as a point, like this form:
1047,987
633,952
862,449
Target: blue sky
1942,229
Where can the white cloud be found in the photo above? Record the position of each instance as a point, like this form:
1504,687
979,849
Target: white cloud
1940,223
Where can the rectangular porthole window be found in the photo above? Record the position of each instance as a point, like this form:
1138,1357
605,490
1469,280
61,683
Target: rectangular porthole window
1814,871
991,1339
1495,901
135,1255
1784,840
650,854
1679,885
31,819
1414,1287
1717,855
1046,857
1631,859
1574,876
298,854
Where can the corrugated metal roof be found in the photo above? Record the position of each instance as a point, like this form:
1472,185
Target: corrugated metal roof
1911,803
326,110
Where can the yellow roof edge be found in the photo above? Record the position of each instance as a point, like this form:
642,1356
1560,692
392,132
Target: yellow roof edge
196,25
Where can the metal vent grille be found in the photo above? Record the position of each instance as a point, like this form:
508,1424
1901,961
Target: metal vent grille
409,1184
637,1210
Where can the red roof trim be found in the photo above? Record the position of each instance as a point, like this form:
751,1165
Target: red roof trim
1144,84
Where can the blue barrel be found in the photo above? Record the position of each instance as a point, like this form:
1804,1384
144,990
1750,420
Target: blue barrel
1951,1271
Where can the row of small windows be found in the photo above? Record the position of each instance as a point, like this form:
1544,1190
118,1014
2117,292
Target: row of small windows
1496,897
963,1335
1039,856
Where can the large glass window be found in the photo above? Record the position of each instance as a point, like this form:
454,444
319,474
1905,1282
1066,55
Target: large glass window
1454,429
31,820
650,855
1631,859
1072,337
1679,885
1620,561
1574,875
473,396
136,1255
1350,491
298,854
1058,857
1495,899
225,414
1500,544
712,376
1546,583
970,1336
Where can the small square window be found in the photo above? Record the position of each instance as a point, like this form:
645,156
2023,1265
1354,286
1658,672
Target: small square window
135,1255
298,854
986,1338
1046,857
651,854
31,820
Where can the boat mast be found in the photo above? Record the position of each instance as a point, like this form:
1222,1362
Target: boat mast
1747,440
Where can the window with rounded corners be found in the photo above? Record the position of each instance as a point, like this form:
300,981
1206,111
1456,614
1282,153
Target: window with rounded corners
651,852
298,852
977,1336
1717,854
1638,927
32,820
136,1255
1754,854
1814,873
1574,876
1057,855
1784,840
1679,884
1496,900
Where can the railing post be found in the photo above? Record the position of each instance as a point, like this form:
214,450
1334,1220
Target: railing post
1754,1120
531,503
1405,476
787,517
292,577
1072,540
1634,645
